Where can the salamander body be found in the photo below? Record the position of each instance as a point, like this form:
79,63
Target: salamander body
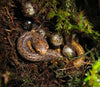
39,50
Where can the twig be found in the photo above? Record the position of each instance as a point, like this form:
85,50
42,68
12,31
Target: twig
11,18
84,53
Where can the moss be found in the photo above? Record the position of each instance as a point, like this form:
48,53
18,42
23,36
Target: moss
93,75
68,19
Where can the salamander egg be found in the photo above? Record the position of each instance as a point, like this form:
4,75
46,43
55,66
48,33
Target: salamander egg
27,24
68,51
42,32
56,39
28,9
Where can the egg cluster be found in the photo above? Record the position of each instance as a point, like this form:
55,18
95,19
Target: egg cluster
41,38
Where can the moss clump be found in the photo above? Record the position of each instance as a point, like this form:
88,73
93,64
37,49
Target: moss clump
93,76
68,19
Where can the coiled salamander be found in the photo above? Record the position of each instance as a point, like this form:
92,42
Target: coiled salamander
38,49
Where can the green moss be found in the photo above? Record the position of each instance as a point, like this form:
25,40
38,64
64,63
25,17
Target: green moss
93,76
68,19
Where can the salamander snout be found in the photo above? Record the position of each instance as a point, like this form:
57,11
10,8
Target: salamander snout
42,47
43,50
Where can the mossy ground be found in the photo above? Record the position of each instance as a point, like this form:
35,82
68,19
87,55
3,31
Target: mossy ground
58,16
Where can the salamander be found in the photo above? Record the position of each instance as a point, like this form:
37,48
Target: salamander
78,49
38,49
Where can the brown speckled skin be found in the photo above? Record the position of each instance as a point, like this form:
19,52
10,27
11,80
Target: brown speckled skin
80,51
34,37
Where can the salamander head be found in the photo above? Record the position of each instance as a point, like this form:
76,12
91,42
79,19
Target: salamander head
42,47
39,43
